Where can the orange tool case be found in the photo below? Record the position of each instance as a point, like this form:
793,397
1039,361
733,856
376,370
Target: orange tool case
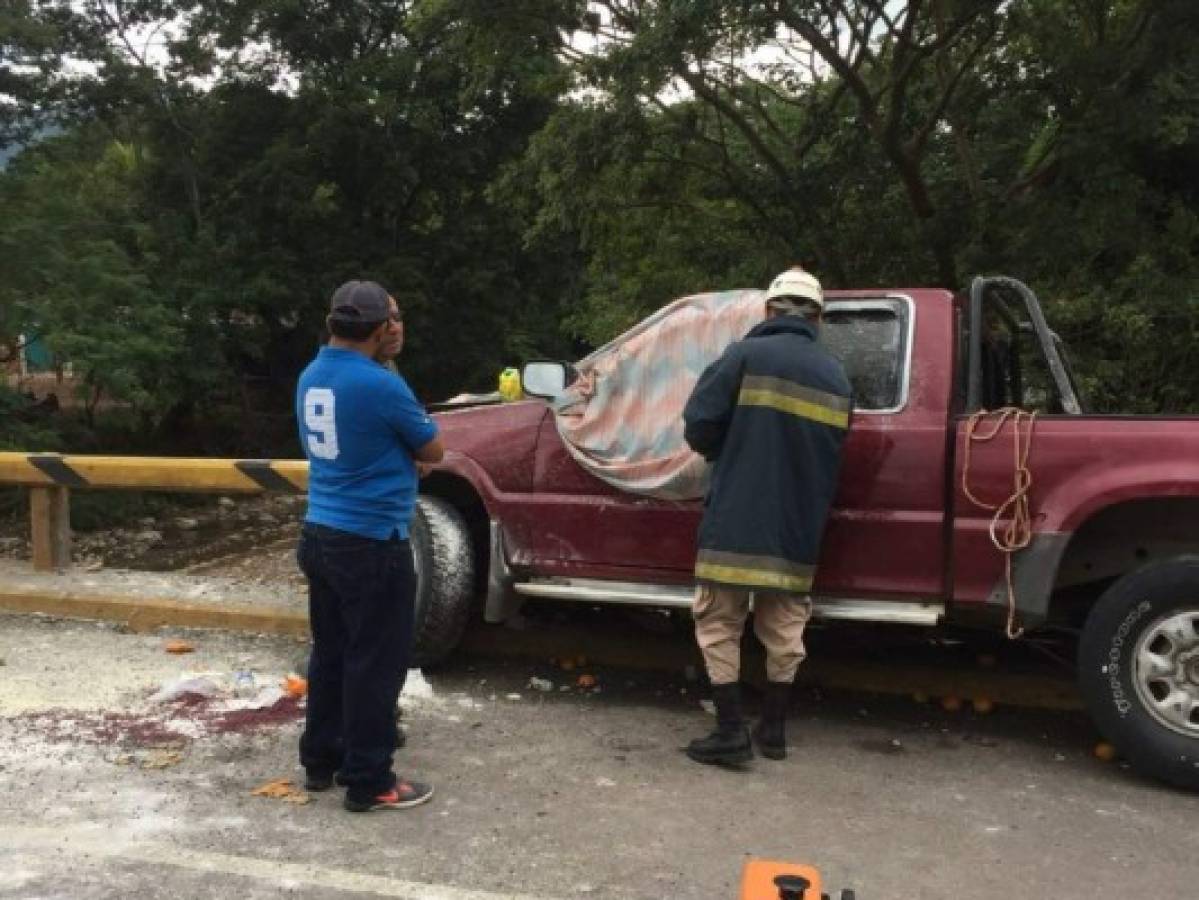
764,879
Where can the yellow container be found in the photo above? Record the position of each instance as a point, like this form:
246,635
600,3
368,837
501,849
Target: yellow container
510,388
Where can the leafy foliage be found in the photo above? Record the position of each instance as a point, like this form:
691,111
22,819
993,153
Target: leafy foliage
531,177
907,143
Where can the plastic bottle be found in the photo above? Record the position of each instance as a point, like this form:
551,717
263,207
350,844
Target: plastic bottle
509,386
243,680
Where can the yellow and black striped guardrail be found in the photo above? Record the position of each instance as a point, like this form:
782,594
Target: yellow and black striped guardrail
154,473
51,477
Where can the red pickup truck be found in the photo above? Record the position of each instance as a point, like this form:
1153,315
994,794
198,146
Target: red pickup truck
1112,510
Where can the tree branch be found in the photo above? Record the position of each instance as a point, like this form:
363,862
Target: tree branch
754,139
916,145
829,53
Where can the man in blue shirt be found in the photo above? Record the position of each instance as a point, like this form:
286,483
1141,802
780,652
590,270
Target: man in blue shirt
365,435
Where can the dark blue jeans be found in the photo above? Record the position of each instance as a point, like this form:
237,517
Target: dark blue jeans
360,606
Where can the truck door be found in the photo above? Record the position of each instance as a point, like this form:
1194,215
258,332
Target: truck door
1013,362
886,534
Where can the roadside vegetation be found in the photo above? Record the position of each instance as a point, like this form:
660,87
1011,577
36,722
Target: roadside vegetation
185,182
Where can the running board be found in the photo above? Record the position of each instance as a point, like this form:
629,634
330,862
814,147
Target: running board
587,590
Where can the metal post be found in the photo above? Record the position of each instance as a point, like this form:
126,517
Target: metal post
50,523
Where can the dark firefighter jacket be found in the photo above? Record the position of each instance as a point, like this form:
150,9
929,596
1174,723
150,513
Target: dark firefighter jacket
771,415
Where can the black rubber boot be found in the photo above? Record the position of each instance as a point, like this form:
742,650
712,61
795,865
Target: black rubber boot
729,743
770,733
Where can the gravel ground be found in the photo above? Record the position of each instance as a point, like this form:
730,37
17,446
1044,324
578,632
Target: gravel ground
540,794
556,794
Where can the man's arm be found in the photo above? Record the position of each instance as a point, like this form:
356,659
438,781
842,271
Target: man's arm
413,424
432,452
710,407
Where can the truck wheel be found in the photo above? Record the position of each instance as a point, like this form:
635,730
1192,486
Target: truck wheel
445,579
1138,667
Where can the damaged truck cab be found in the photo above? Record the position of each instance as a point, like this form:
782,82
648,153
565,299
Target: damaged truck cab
1040,516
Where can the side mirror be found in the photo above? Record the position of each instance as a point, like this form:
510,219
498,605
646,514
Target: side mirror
544,379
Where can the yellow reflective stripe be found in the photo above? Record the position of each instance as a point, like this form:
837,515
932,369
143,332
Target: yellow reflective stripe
794,406
795,389
778,581
754,561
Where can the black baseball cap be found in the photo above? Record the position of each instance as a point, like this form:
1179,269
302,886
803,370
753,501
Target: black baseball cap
360,301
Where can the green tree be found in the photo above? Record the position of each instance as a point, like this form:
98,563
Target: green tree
281,147
78,269
892,144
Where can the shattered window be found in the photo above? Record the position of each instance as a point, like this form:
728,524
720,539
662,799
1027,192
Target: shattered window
869,339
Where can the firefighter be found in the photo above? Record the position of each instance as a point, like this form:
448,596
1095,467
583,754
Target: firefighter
770,415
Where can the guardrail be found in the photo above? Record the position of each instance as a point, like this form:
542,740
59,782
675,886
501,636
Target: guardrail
51,477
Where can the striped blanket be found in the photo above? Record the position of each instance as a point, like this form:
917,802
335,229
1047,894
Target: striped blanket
623,418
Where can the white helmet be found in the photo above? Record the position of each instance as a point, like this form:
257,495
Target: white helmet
797,284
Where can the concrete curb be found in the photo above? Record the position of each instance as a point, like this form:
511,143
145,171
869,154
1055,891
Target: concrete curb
146,614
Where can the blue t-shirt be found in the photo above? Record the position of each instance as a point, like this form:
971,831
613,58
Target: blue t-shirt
359,426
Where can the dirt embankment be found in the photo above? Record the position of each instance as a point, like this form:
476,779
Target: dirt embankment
251,537
238,552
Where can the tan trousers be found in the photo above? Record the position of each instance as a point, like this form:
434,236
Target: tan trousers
779,621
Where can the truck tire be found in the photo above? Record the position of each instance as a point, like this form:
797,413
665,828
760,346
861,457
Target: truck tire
1138,669
445,579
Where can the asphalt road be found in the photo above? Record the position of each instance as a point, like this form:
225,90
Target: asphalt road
549,794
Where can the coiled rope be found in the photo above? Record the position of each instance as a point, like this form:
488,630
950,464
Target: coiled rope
1011,524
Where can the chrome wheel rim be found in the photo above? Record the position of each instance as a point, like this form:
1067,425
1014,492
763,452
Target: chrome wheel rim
416,539
1167,671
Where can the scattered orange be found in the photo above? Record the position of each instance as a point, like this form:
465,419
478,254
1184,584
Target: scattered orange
281,789
1105,751
178,647
295,685
586,681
